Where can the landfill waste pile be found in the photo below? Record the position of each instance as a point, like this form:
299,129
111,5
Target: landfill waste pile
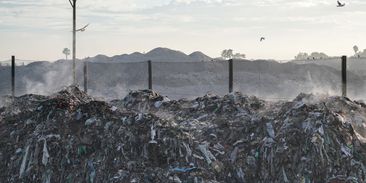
148,138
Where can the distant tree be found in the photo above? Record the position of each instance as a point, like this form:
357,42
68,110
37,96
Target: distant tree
362,54
227,54
224,54
355,49
302,56
317,55
313,56
66,51
239,56
323,55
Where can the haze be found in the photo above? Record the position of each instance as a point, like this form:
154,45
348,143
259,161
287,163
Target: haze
40,29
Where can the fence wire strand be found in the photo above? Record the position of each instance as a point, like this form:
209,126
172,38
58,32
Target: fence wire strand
264,79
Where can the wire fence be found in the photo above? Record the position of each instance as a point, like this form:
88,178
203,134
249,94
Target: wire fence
266,79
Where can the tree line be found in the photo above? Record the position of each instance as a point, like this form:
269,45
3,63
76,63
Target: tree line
321,55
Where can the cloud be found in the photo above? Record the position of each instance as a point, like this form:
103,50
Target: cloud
162,20
36,13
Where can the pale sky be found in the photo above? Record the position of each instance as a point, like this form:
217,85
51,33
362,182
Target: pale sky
40,29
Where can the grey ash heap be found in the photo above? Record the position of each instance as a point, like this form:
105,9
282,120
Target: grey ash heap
146,137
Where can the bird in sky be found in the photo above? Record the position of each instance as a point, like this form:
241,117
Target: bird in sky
339,4
83,28
262,39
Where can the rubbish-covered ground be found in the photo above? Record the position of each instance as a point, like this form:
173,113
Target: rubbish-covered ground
147,138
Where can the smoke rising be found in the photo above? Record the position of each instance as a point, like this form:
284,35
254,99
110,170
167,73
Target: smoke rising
265,79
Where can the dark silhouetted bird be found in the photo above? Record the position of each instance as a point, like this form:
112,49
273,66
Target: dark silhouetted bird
82,29
339,4
262,39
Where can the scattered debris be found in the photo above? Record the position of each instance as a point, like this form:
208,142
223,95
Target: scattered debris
70,137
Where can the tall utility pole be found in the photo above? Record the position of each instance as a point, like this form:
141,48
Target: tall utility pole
73,5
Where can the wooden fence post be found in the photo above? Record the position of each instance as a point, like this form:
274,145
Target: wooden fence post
13,76
149,64
231,75
344,76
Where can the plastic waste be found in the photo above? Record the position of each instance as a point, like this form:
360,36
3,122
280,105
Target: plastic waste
270,130
71,137
206,153
46,155
183,170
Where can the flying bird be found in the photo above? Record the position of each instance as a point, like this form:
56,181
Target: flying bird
262,39
82,29
339,4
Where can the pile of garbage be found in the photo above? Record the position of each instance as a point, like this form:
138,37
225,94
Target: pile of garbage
148,138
